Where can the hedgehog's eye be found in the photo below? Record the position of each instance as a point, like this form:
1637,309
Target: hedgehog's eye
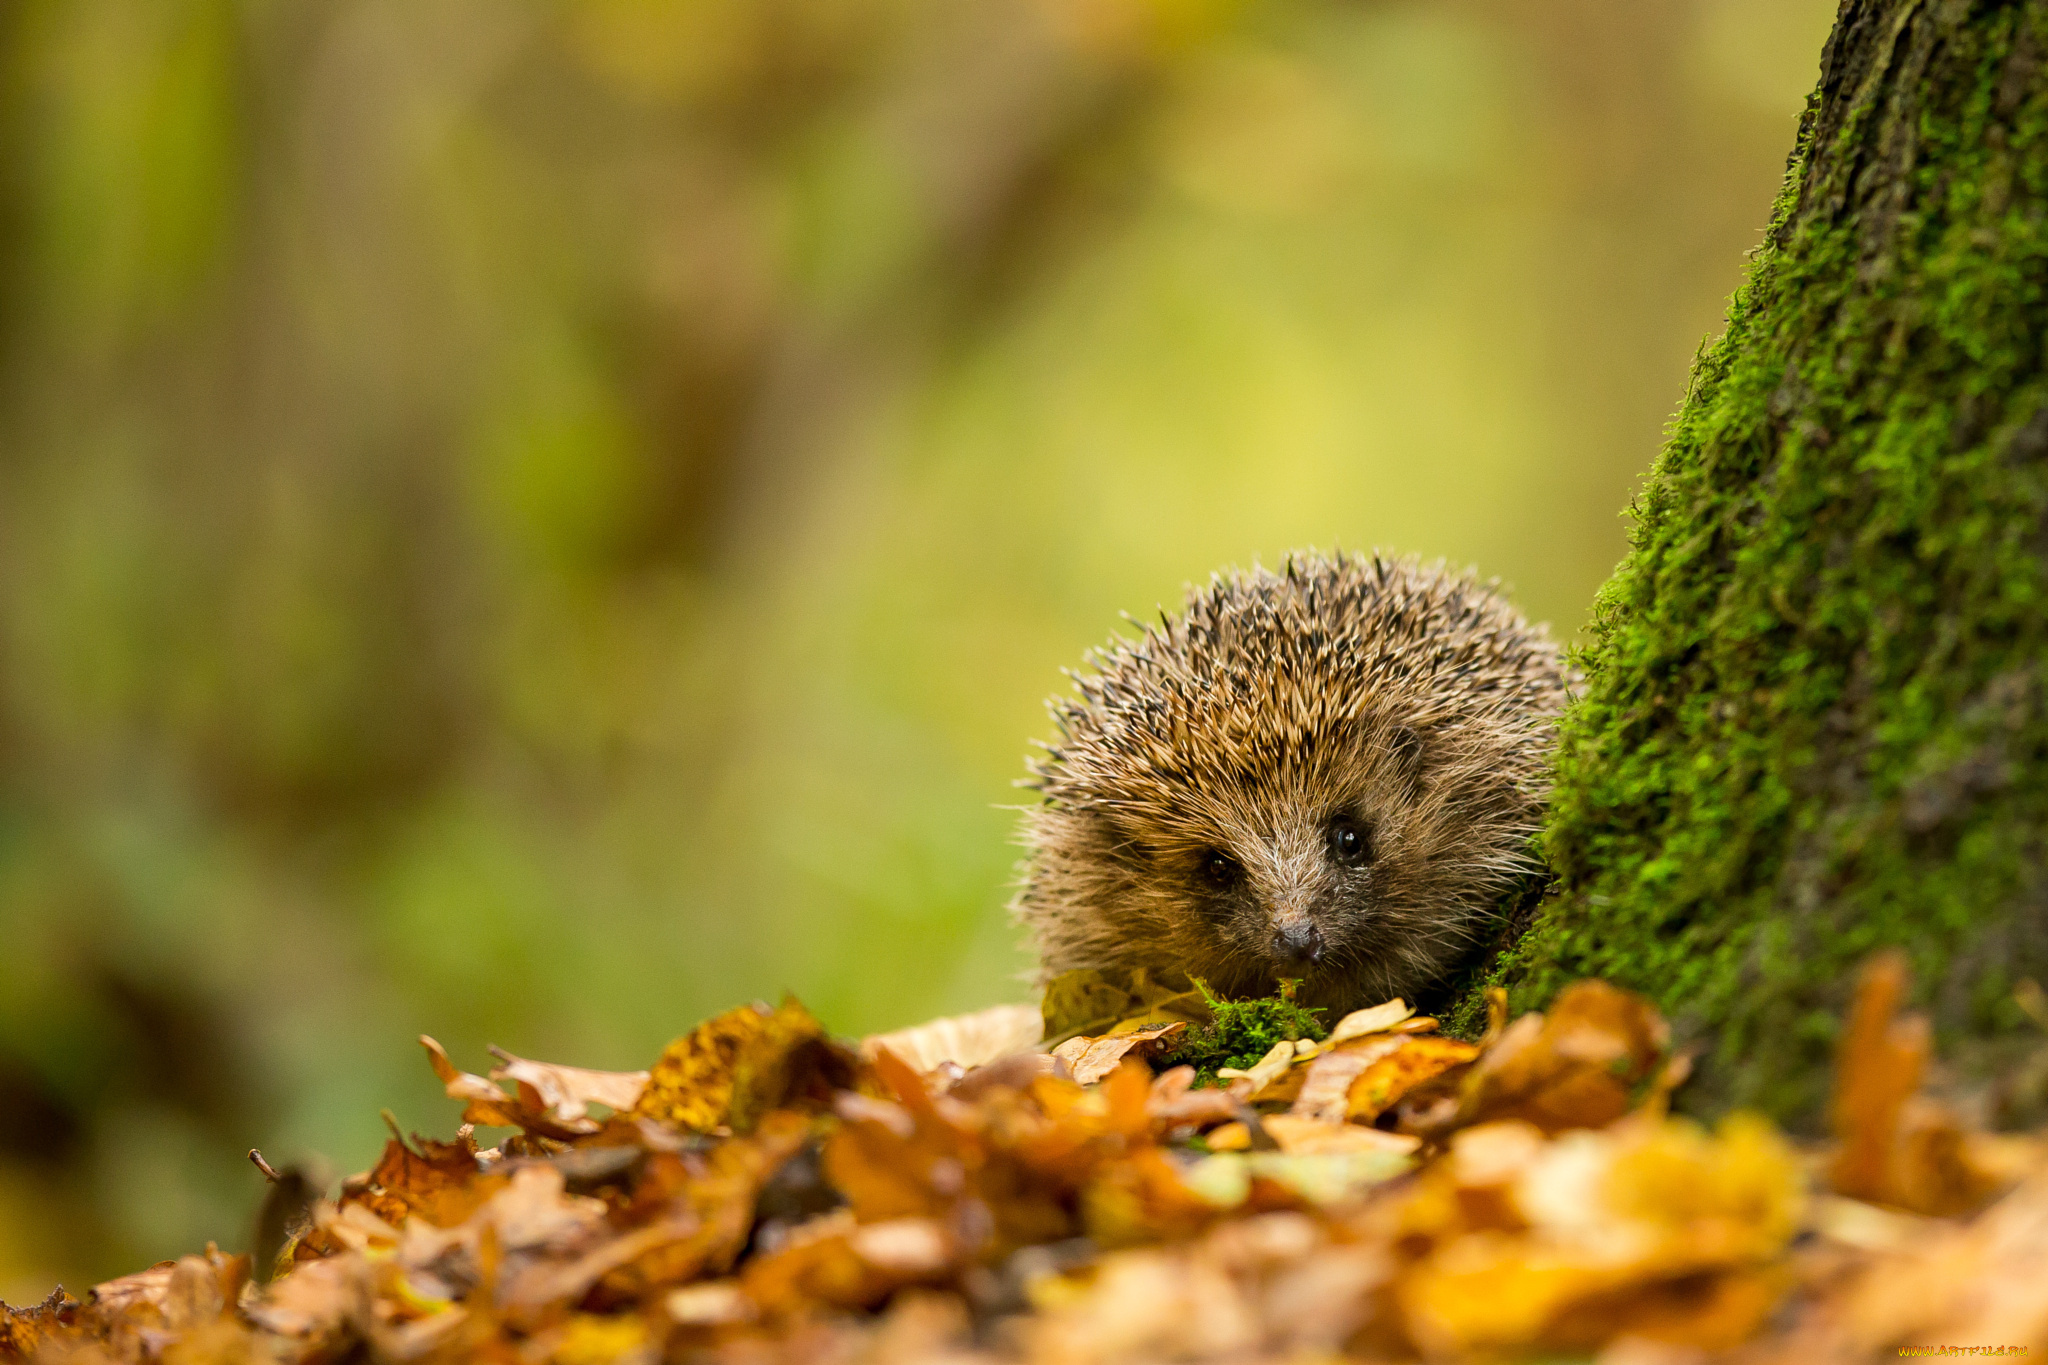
1219,869
1349,845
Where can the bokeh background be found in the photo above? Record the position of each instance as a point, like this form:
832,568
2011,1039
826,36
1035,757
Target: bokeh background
536,520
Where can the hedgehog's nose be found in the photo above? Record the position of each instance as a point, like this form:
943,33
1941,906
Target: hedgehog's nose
1298,942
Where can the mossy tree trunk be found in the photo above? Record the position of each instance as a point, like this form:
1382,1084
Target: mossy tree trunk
1815,719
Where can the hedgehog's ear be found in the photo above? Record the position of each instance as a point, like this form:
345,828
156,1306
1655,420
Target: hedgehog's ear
1408,756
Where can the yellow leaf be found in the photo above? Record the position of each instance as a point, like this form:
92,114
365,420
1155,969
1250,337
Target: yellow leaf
1096,1002
1377,1019
730,1070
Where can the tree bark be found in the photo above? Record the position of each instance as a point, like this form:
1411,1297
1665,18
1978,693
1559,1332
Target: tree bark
1815,716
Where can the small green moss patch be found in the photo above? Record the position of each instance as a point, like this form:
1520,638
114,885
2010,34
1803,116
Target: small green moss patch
1243,1031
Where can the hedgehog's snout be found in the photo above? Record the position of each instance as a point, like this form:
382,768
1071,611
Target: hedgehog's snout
1298,942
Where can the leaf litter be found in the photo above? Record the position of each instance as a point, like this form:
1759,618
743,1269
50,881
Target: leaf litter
960,1193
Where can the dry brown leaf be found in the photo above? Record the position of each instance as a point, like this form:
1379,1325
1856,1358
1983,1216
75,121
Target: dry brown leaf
720,1191
1175,1103
441,1182
1571,1068
1876,1072
1537,1220
965,1040
145,1289
1299,1136
1110,999
1981,1284
318,1303
565,1093
1088,1060
844,1264
1152,1305
1144,1197
1896,1147
25,1331
484,1103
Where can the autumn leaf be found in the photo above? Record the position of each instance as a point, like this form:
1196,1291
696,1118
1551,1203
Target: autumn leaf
23,1331
1415,1061
964,1040
440,1182
1575,1067
1088,1060
1377,1019
1300,1136
565,1093
1175,1104
1893,1146
731,1070
1101,1001
1658,1229
1264,1078
764,1195
484,1103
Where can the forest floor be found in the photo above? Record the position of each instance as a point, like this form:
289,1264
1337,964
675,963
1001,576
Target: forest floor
958,1192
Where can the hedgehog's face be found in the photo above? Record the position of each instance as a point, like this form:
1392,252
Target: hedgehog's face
1290,898
1298,890
1363,873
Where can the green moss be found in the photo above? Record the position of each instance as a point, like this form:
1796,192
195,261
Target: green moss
1243,1031
1815,717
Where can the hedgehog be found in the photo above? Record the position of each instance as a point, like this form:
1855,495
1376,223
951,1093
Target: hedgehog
1330,775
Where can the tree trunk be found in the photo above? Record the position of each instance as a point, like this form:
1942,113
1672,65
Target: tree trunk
1815,717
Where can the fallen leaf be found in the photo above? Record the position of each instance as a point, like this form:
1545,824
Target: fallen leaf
1657,1229
730,1070
143,1289
839,1262
1415,1061
1254,1082
1230,1137
441,1182
1088,1060
1299,1136
1175,1103
719,1192
1971,1284
565,1093
713,1303
24,1331
484,1103
1878,1068
1329,1178
966,1040
1151,1305
884,1210
1095,1002
1326,1086
1377,1019
1573,1067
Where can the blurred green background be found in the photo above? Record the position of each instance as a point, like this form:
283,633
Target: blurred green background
538,521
